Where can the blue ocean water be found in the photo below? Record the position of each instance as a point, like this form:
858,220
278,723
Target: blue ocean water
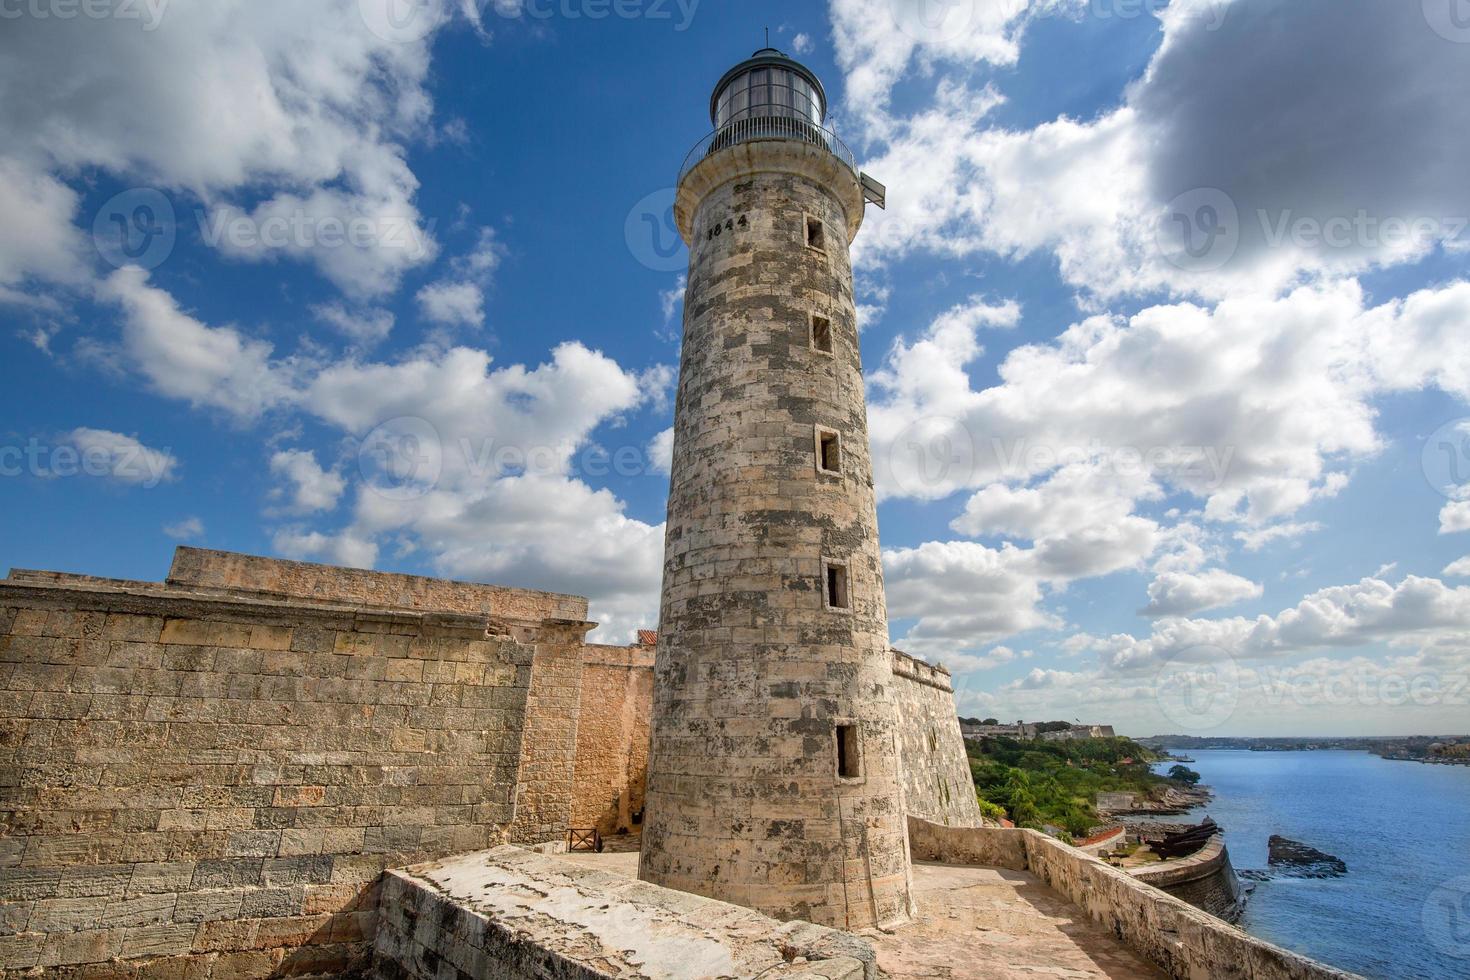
1403,909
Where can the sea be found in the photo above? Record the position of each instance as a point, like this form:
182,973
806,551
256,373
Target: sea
1403,909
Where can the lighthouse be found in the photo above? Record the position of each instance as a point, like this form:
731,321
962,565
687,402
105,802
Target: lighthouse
773,773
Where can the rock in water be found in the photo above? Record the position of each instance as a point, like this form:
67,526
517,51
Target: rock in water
1294,859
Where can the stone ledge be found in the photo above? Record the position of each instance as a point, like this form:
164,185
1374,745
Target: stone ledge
780,156
509,913
922,672
141,599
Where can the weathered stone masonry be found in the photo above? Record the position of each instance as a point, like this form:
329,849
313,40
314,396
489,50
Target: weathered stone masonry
758,676
211,774
937,784
612,738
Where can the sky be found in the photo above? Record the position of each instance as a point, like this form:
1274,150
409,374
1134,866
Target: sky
1165,324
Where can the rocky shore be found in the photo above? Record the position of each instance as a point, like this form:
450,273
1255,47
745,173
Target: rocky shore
1172,802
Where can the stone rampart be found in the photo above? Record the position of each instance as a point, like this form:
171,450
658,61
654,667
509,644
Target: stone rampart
937,784
212,773
200,569
220,781
1180,939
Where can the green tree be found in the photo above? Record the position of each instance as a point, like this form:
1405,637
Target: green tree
1183,774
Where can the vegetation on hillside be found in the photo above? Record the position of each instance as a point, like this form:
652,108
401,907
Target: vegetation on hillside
1038,782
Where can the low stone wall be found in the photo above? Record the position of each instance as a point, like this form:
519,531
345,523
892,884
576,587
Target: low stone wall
1182,940
508,913
937,784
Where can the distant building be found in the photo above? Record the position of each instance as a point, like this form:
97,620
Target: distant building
975,733
1080,731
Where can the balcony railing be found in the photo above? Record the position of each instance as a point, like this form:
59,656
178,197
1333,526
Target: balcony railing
757,128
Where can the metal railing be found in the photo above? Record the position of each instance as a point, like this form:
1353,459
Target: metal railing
750,130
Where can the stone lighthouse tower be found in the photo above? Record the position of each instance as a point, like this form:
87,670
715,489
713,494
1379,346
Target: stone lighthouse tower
773,778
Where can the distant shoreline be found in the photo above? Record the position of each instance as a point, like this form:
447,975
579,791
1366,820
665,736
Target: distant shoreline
1441,750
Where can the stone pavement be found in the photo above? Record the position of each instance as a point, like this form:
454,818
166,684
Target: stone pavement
1000,925
980,923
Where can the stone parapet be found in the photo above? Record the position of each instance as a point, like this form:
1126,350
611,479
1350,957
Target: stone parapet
509,913
200,569
937,784
922,672
1183,941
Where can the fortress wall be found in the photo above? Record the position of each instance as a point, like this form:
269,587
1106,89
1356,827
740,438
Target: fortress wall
197,568
936,772
218,782
612,738
548,752
1180,939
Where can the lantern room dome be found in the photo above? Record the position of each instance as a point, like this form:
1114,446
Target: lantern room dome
768,84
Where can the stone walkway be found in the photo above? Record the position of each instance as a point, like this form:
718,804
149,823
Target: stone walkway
1000,925
980,923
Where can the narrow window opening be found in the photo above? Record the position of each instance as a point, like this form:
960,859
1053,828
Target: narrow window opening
822,334
829,451
815,238
849,761
837,586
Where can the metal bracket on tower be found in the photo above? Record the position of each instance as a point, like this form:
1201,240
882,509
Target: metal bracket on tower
874,192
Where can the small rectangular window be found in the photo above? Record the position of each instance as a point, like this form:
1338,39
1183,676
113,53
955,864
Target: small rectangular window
814,236
849,758
821,334
837,597
829,451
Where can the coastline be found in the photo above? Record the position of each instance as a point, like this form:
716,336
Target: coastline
1379,820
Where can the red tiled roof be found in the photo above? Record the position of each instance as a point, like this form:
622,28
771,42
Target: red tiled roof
1099,837
648,638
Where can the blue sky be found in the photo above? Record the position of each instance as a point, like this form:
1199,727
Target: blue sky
1173,490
